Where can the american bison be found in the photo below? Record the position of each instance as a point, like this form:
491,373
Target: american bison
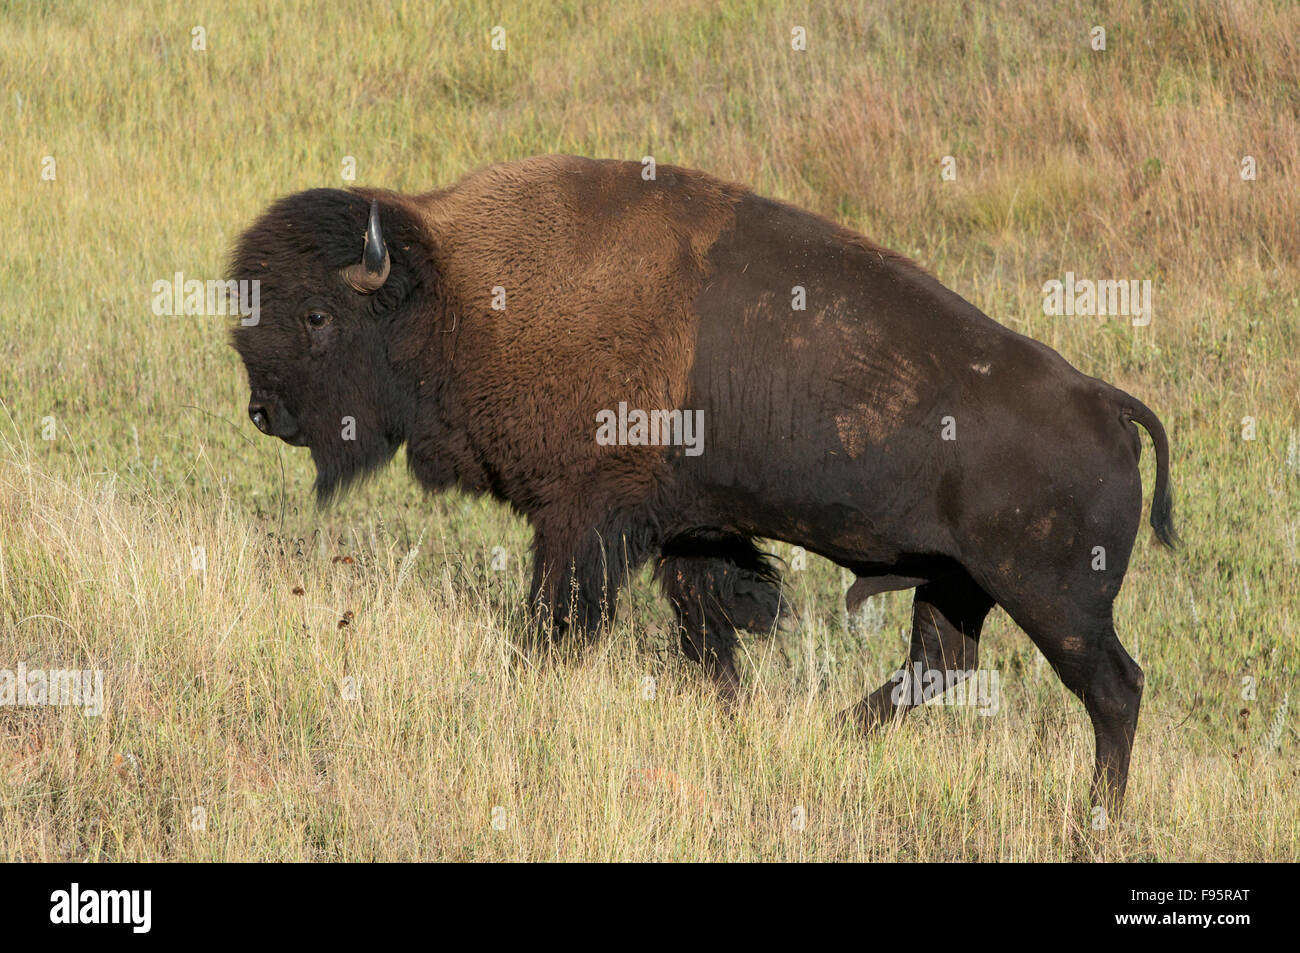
550,331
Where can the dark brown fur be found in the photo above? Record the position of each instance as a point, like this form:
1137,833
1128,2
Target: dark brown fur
822,426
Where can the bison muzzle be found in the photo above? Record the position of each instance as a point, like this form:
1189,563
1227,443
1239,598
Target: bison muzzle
546,331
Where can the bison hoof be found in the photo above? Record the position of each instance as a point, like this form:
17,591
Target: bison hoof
867,718
787,622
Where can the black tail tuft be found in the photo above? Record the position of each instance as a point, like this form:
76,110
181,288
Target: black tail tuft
1162,502
1162,519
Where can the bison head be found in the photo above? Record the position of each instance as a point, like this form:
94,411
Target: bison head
338,277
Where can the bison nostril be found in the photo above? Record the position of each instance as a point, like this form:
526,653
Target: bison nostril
258,415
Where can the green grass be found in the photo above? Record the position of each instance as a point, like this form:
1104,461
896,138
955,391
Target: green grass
225,690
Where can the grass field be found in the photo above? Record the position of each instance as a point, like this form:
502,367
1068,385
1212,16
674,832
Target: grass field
286,683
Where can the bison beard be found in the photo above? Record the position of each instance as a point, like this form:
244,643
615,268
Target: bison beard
887,425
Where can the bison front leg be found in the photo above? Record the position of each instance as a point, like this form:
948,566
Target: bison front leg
717,587
947,615
708,636
577,576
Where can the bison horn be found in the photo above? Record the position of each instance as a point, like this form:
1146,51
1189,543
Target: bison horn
372,272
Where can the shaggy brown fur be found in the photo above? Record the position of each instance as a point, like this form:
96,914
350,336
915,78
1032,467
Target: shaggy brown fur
826,426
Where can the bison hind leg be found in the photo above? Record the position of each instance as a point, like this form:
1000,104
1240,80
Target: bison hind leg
719,583
1085,652
947,615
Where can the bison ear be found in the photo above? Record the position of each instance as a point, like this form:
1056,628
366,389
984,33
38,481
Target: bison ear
369,275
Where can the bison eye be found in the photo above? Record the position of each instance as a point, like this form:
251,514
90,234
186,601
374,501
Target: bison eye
317,319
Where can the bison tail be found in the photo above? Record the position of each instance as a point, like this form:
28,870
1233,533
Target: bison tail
1162,503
